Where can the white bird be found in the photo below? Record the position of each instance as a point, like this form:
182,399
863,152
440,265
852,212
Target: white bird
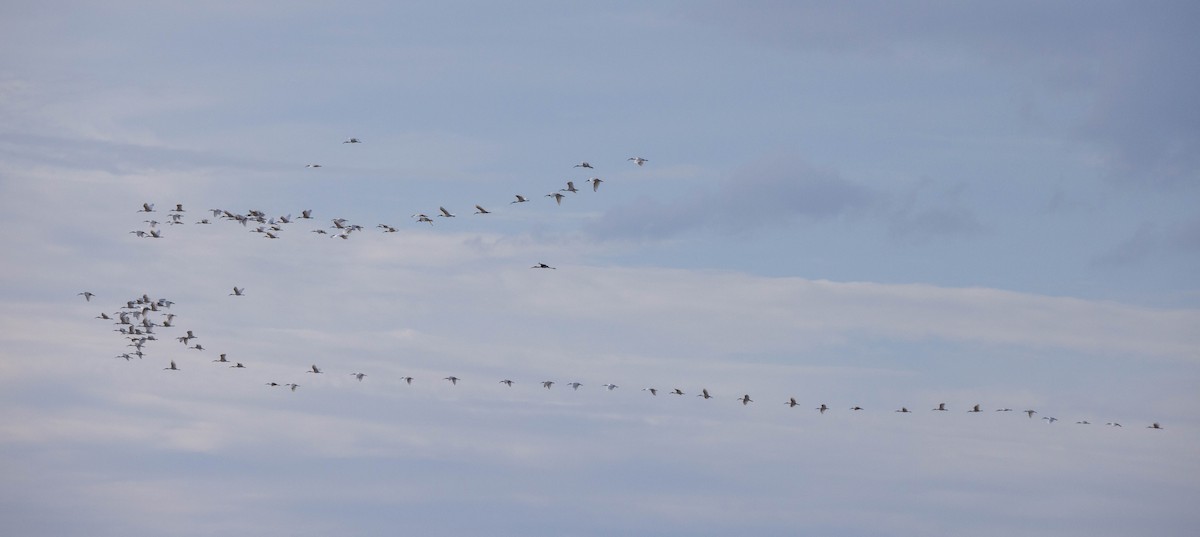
596,183
583,165
423,218
638,160
610,387
307,213
677,391
520,199
570,188
445,213
557,197
147,208
575,385
87,295
238,291
481,210
653,391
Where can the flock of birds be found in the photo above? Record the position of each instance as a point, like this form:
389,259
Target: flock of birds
140,319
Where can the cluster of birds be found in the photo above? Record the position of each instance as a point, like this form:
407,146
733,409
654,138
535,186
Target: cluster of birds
137,322
139,317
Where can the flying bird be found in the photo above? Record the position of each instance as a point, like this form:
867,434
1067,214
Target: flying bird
557,197
745,399
1030,413
359,376
172,368
904,410
312,166
352,141
653,391
547,384
791,402
314,369
293,386
975,409
570,188
856,408
1154,425
941,407
543,265
507,382
583,165
610,386
596,183
87,296
237,291
453,380
575,385
445,213
147,208
520,199
481,210
704,393
638,160
407,380
822,408
677,391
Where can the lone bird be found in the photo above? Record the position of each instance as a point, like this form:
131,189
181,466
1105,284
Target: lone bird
547,384
543,265
507,382
1154,425
453,380
1030,413
359,376
237,291
407,380
638,160
745,399
172,368
904,410
823,408
314,369
791,402
312,166
352,141
583,164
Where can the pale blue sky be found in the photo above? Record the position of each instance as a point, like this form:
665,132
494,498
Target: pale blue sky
882,204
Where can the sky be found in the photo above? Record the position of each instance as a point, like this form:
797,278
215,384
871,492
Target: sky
878,204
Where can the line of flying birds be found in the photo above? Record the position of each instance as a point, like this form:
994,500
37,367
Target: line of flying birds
138,327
